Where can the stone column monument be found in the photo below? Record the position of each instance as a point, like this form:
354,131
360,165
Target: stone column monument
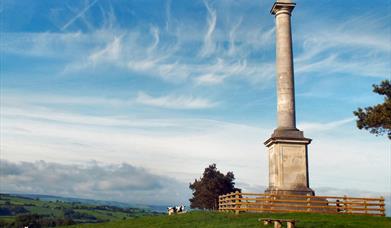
287,146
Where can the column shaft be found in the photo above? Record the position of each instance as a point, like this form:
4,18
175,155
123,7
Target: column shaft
286,118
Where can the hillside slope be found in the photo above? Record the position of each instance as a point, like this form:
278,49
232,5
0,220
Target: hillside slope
216,219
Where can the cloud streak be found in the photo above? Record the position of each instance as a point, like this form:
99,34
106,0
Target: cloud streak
232,35
156,39
78,15
110,53
141,98
306,126
209,45
174,102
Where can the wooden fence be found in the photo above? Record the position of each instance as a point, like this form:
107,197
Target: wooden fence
253,202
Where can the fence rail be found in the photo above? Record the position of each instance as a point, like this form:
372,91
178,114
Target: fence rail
255,202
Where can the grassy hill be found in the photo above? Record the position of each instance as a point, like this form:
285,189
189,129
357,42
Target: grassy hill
216,219
17,211
14,209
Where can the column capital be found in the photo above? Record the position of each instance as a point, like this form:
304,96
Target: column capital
282,7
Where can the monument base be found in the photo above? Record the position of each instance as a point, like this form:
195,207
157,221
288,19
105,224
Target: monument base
287,133
288,163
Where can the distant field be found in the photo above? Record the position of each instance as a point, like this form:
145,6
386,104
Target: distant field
216,219
17,211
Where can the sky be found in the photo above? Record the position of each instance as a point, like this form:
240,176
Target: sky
131,100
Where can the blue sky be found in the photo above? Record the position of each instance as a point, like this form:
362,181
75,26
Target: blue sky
168,87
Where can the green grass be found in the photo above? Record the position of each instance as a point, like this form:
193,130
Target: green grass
216,219
7,218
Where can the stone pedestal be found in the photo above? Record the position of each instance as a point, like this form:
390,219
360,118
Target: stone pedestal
288,166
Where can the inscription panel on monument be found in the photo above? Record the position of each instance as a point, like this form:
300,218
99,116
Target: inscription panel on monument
294,165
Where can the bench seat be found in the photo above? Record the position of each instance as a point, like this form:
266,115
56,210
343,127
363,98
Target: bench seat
278,222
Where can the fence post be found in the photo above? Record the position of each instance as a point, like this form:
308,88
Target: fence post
365,207
219,203
338,205
345,200
229,201
232,202
225,202
382,210
237,206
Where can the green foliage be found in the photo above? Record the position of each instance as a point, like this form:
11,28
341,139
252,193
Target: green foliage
377,118
212,184
72,214
35,221
229,220
12,210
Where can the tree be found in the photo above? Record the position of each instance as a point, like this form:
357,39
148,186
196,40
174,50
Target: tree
377,119
207,189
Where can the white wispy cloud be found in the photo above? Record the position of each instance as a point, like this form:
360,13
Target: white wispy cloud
108,46
165,63
142,98
209,79
168,15
186,144
345,48
174,102
53,135
34,131
232,36
80,119
10,99
357,46
216,73
110,53
311,126
45,44
124,50
79,14
209,45
155,33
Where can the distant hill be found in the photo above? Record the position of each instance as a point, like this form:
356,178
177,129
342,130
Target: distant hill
153,208
42,210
